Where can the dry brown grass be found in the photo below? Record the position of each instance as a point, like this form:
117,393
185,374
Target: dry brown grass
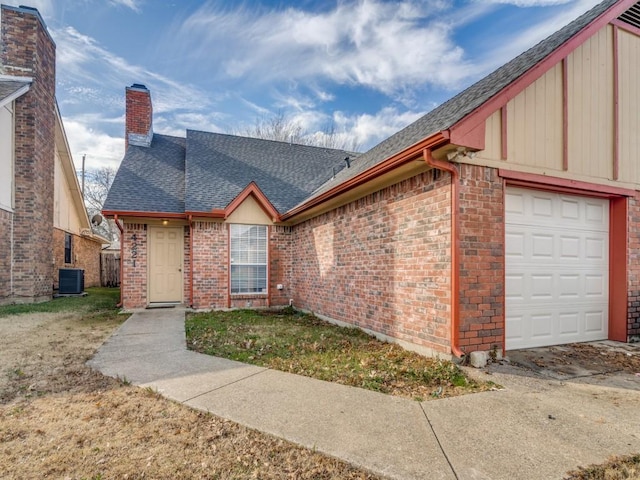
59,419
616,468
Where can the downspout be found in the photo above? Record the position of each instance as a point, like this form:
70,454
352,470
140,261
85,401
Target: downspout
455,248
191,260
115,219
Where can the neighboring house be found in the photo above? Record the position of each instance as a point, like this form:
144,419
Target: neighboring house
43,222
508,217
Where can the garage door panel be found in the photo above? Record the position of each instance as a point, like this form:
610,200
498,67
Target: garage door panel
544,328
557,257
568,323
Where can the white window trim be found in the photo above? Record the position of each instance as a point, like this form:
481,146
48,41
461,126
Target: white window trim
267,262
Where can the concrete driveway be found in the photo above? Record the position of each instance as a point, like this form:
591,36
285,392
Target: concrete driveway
534,428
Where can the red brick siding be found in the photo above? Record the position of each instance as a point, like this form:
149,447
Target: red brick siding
633,287
382,262
280,265
481,260
186,267
139,113
134,265
210,265
28,50
6,225
85,254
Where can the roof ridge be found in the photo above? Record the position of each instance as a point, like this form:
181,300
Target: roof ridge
280,142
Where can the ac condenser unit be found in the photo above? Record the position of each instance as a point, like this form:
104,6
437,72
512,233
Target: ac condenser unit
71,281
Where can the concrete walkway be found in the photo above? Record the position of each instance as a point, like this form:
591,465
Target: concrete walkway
532,429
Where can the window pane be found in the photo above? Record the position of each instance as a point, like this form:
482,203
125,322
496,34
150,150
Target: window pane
67,248
248,258
248,278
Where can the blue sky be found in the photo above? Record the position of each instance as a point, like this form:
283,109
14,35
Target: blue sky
369,67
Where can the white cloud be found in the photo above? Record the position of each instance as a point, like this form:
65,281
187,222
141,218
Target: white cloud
529,3
87,67
101,149
368,130
132,4
386,46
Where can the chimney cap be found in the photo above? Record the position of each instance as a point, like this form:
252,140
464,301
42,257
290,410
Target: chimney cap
138,86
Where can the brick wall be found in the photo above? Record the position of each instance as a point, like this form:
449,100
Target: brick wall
6,220
27,50
280,265
134,265
633,286
210,265
139,111
382,262
481,258
85,254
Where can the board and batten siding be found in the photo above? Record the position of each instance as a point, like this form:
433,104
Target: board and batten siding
591,106
535,122
629,105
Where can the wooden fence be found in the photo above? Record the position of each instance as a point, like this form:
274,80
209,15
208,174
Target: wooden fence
110,269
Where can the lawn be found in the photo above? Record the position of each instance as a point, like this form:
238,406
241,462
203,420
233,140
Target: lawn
98,303
60,419
305,345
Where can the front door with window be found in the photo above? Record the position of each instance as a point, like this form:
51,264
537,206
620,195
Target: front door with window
165,265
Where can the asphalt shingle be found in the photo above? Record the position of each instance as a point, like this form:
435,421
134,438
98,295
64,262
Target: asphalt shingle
219,167
150,179
9,87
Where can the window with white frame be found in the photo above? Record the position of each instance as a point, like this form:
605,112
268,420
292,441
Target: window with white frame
248,259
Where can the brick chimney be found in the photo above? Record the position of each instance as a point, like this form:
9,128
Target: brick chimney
27,50
139,122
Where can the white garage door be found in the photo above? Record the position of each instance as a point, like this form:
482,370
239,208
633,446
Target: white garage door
557,268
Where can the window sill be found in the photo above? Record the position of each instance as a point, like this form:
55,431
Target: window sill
248,296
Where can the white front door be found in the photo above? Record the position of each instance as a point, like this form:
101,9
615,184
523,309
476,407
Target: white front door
165,264
557,268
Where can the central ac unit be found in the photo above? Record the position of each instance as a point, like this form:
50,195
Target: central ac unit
71,281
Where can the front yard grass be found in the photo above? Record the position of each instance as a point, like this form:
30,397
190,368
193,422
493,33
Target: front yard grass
305,345
98,304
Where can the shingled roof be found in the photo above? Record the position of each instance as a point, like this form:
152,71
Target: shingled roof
150,179
449,113
219,167
207,171
9,88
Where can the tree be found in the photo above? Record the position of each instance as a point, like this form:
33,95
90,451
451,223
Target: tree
283,129
96,187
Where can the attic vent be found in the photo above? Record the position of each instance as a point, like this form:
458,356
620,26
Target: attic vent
632,16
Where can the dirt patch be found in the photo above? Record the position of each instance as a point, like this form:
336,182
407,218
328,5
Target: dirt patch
579,360
46,353
60,419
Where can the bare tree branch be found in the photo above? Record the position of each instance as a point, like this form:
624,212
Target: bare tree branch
97,184
283,129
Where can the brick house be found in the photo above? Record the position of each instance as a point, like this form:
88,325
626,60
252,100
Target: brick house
507,217
43,221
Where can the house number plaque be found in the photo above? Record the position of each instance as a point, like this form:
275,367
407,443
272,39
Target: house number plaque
134,248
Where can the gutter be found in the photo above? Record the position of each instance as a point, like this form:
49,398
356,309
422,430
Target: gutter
407,155
191,260
115,219
455,248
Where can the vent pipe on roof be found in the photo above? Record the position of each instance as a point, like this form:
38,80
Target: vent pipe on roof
347,161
